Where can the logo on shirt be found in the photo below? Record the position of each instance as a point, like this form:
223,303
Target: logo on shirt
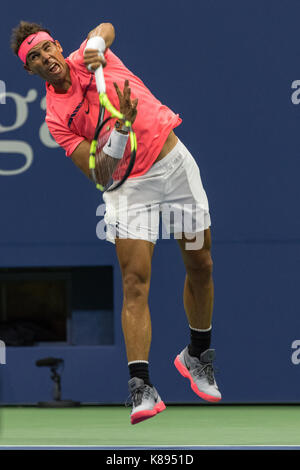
81,102
109,143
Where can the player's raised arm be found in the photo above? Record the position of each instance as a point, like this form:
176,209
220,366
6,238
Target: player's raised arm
99,39
80,156
106,31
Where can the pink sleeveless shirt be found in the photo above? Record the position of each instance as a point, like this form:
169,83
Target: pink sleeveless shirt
72,116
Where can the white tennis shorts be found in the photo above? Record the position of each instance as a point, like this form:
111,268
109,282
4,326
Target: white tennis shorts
171,190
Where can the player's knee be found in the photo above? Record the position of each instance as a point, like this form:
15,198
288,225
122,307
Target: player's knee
135,286
201,269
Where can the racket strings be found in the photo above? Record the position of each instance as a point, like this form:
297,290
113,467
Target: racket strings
108,168
105,167
107,172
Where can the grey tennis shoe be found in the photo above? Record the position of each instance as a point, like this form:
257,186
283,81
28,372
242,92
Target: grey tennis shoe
145,401
200,373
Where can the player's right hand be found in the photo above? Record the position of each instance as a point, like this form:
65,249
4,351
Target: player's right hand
93,60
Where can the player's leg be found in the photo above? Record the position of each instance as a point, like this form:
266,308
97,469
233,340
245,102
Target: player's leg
132,219
185,196
135,263
195,361
198,288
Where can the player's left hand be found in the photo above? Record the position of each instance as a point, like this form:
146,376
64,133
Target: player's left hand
128,107
93,60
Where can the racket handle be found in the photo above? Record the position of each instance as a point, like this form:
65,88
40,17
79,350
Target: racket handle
100,82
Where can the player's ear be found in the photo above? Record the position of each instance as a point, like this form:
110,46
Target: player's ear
58,45
28,69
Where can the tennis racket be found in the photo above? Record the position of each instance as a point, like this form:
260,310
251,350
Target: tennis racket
109,168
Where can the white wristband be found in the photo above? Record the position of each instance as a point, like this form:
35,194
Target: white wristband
96,42
116,144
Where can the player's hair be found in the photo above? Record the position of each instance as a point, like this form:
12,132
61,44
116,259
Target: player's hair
22,31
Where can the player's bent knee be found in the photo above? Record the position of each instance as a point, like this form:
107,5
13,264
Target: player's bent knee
135,286
202,269
202,261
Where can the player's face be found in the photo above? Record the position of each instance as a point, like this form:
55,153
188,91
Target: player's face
47,61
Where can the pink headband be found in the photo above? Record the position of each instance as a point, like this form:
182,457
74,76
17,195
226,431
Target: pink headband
32,41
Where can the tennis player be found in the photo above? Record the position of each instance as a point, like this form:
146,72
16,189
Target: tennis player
165,179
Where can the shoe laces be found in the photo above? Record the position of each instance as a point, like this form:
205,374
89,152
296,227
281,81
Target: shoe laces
136,397
206,369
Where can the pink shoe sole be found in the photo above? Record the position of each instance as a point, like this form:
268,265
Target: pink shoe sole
146,414
185,373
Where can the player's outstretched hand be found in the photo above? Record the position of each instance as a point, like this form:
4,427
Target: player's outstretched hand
127,107
93,60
